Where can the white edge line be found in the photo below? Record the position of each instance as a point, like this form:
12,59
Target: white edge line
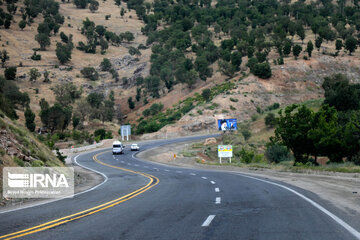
208,220
331,215
55,200
318,206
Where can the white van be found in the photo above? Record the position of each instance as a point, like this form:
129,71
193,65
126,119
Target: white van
118,148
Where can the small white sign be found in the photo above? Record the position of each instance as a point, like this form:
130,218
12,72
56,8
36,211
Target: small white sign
225,151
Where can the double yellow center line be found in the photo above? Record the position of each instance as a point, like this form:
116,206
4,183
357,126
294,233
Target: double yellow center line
153,182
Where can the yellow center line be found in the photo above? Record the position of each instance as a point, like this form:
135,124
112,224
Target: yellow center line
89,211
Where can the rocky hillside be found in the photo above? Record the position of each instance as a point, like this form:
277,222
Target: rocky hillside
19,147
166,52
293,82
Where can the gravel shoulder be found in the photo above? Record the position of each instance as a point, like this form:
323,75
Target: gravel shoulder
340,189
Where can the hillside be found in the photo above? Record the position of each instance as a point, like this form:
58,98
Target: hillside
175,51
19,147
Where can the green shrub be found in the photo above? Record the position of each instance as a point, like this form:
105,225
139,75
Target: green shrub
262,70
100,133
259,110
273,107
270,120
97,139
232,108
90,73
10,73
277,153
108,135
60,156
254,117
105,65
246,133
37,163
246,156
234,99
212,106
19,162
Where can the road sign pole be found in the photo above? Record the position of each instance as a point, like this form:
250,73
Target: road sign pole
220,160
230,160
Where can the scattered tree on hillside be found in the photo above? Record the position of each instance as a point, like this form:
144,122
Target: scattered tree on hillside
46,76
138,94
206,94
22,24
43,40
4,57
66,93
351,44
270,120
11,98
309,48
29,119
340,94
63,52
93,6
81,3
10,73
90,73
262,70
105,65
131,103
56,117
297,50
34,74
338,44
95,99
318,42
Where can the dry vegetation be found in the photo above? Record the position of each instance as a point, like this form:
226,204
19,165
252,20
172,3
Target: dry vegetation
295,81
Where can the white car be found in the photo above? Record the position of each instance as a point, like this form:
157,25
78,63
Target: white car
118,148
134,147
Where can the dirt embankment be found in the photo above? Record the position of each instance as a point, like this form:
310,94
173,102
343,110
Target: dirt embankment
340,189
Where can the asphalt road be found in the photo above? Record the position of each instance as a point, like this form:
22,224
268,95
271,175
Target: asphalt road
144,200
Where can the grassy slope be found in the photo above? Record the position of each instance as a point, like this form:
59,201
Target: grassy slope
260,136
28,144
19,44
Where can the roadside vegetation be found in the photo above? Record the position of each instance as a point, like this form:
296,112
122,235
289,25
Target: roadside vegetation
319,135
189,42
154,119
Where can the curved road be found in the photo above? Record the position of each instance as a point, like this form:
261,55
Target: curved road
144,200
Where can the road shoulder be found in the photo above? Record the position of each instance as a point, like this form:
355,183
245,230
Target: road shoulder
339,189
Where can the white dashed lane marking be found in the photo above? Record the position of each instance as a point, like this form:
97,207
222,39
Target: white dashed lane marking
208,221
218,200
212,182
193,174
217,189
204,177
